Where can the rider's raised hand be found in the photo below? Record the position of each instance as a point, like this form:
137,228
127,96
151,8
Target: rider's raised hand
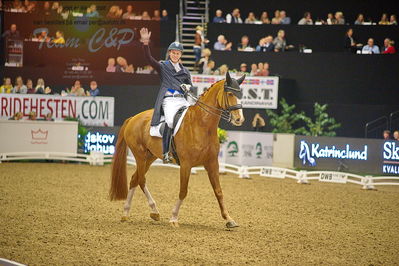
145,35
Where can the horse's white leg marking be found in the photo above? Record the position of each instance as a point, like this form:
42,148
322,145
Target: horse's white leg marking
128,203
151,201
175,211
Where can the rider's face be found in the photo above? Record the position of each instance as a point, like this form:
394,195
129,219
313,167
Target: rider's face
174,55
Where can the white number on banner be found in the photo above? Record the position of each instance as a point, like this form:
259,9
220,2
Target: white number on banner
333,177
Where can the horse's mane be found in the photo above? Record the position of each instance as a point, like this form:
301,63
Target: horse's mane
207,89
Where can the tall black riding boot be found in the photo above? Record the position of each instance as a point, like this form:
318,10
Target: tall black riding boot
166,138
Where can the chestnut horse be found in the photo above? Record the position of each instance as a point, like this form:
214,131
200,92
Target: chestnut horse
196,144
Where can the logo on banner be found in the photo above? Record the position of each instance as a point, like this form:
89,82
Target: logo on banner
304,154
232,148
258,149
39,136
391,158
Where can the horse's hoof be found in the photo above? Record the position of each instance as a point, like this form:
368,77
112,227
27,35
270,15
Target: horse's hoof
174,224
155,216
231,224
124,219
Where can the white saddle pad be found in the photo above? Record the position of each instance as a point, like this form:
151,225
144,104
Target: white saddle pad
154,130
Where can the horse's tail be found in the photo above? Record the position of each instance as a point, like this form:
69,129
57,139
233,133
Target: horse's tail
118,190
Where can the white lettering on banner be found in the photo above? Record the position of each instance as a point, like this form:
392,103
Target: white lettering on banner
333,152
99,142
333,177
92,111
271,172
390,169
391,151
258,92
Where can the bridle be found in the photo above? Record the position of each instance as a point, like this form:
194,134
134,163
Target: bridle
225,114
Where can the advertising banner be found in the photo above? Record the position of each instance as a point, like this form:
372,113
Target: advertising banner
363,156
258,92
249,148
94,111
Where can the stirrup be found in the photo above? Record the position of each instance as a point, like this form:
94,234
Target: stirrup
166,158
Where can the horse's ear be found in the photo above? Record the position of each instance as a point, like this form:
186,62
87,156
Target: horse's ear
240,80
228,78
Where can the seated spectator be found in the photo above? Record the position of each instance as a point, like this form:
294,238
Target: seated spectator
350,43
76,90
339,17
30,6
94,91
264,18
234,17
222,44
284,19
43,36
306,20
92,12
254,70
244,45
359,20
330,19
396,135
157,15
7,86
111,65
243,70
17,116
388,47
222,70
32,116
279,42
386,134
251,19
266,45
384,20
164,16
12,33
266,70
277,18
208,70
129,13
205,55
260,71
145,16
40,87
17,6
29,86
114,12
218,17
392,20
122,65
59,37
370,48
19,86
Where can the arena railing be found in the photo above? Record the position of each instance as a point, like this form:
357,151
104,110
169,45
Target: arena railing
302,177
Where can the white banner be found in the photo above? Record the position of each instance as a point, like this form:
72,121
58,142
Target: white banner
38,136
92,111
258,92
249,148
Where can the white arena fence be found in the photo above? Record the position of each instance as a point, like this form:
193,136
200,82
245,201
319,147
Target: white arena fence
302,177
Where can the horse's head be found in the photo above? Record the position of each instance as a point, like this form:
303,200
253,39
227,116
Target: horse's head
230,99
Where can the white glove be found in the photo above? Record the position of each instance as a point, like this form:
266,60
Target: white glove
185,87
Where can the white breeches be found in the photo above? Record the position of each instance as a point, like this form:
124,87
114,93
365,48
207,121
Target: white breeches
170,107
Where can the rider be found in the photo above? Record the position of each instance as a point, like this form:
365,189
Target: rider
171,95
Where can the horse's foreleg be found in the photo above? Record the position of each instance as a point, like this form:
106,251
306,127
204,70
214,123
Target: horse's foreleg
184,178
213,173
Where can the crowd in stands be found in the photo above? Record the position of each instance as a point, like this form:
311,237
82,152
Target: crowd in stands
387,135
351,45
281,17
40,88
55,9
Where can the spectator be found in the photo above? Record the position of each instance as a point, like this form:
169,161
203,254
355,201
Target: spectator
206,54
386,134
392,20
266,67
122,65
17,6
243,70
370,48
208,70
94,91
350,43
92,12
279,42
32,116
59,37
145,16
222,44
199,44
17,116
359,20
30,6
129,13
266,44
306,20
222,70
157,15
260,71
276,19
251,19
384,20
218,17
244,45
264,18
43,37
29,86
111,65
19,86
7,86
330,19
388,47
254,70
396,135
284,19
40,87
339,17
76,90
165,16
12,33
114,12
234,17
258,123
